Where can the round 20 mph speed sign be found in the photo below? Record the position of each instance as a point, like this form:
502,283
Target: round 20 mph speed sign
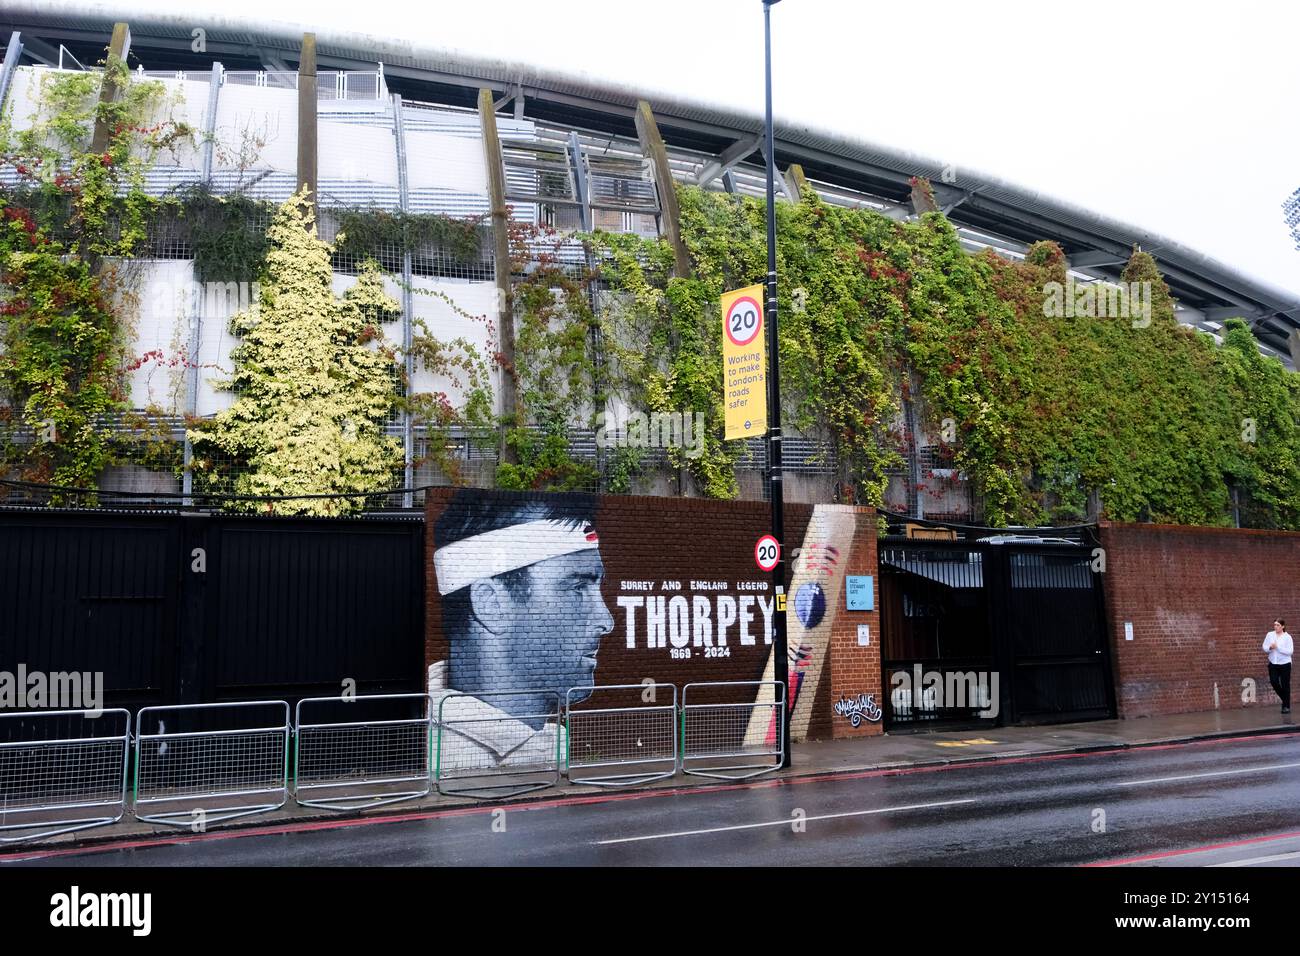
744,320
767,553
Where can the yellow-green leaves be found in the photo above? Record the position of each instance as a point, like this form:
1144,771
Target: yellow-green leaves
312,393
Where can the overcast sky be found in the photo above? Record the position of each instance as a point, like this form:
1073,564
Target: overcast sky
1179,117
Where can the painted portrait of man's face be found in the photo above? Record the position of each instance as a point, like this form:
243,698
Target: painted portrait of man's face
515,624
547,628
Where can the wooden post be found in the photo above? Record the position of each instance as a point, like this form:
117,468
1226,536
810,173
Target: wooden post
496,176
923,196
652,146
798,183
118,48
307,119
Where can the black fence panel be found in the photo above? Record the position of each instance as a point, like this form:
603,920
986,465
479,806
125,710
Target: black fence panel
190,608
351,591
91,594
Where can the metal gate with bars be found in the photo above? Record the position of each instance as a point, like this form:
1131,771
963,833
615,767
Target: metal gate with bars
993,631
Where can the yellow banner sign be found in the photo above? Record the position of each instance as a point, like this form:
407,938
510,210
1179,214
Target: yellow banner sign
744,362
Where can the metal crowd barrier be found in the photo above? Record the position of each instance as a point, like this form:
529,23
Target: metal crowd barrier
717,731
360,752
498,744
198,764
631,744
62,771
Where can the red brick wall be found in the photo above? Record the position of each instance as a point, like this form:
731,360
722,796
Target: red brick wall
1200,601
856,670
658,541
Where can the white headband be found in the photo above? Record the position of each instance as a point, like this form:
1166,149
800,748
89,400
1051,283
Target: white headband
491,553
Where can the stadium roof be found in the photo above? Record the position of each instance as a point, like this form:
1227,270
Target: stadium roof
986,205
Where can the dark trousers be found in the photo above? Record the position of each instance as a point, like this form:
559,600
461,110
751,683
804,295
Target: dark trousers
1279,675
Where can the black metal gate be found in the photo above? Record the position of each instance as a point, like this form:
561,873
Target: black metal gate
992,631
184,608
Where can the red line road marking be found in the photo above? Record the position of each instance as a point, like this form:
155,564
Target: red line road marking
1164,855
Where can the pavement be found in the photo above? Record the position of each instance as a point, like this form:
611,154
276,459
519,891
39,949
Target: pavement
881,756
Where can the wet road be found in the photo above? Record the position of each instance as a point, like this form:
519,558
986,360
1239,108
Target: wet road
1225,803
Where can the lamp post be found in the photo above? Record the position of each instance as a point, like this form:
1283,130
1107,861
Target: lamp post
780,646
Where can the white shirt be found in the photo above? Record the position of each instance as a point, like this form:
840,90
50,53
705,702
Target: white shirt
479,736
1282,653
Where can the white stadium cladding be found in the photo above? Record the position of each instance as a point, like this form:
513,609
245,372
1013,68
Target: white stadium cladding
398,129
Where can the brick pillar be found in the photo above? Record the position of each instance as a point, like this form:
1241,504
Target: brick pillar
855,669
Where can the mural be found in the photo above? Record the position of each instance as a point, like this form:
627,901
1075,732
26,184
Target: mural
522,613
817,582
538,593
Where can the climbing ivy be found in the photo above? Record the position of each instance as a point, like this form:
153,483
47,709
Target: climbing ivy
1044,413
75,214
227,234
554,368
460,363
1047,411
371,232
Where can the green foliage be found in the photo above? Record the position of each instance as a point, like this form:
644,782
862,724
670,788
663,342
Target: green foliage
544,461
147,441
554,368
103,190
228,234
1264,455
462,364
312,395
72,217
1048,410
837,367
368,232
57,366
1051,408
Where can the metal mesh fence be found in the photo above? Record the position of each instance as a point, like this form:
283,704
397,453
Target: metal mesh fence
732,729
363,752
211,225
438,245
497,744
211,762
627,732
61,771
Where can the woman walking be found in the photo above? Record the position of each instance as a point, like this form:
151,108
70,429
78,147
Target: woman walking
1279,646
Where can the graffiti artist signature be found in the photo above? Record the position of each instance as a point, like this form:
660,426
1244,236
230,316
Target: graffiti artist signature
858,708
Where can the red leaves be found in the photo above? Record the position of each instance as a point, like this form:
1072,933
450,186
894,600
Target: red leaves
879,267
153,355
24,218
